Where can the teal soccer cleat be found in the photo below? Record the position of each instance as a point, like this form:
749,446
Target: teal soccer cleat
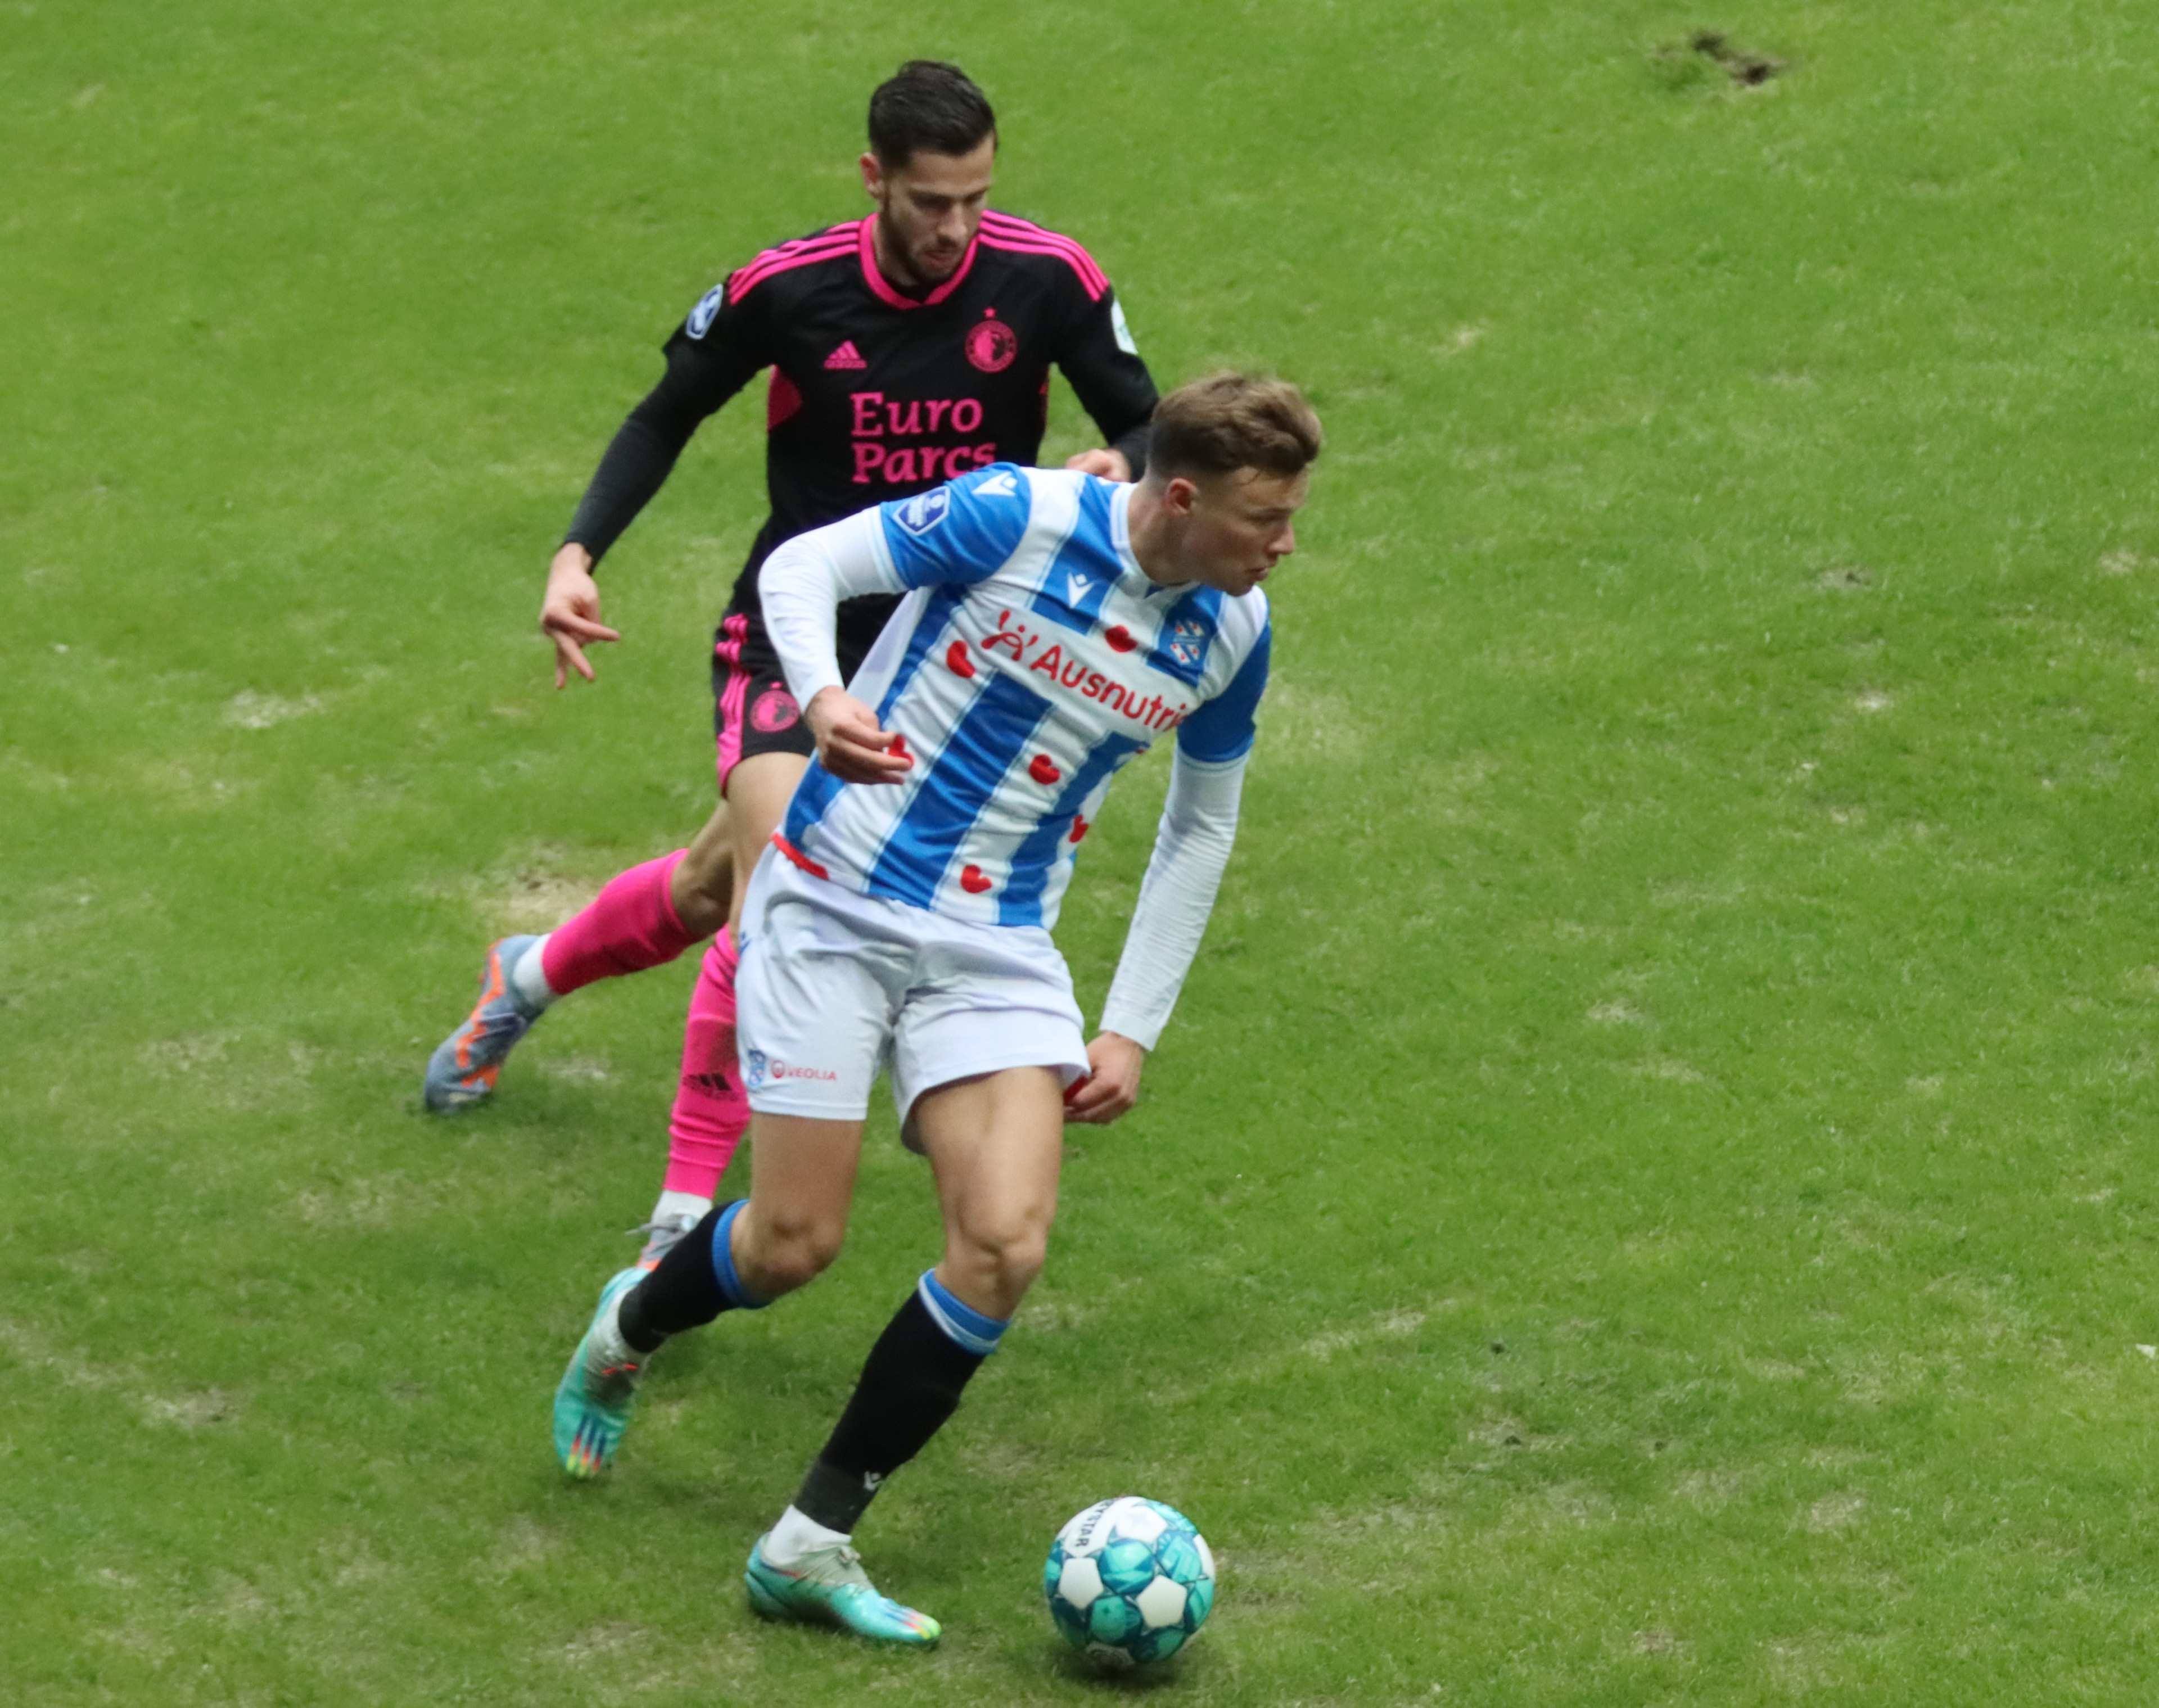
831,1588
592,1400
463,1069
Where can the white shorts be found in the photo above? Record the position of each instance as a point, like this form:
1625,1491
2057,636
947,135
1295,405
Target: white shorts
833,982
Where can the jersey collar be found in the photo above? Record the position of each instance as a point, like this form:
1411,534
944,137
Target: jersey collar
866,245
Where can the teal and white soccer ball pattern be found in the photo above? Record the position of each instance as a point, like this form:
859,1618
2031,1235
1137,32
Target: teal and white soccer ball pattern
1129,1580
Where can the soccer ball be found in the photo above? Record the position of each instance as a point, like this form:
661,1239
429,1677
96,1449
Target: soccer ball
1128,1581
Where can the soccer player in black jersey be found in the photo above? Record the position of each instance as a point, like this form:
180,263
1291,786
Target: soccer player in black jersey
903,349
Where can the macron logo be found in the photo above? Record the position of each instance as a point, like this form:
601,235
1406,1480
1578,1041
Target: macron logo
847,356
999,486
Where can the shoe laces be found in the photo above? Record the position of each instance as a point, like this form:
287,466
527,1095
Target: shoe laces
681,1223
835,1565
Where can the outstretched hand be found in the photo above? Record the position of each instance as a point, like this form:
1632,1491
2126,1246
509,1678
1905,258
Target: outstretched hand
851,743
569,613
1112,1086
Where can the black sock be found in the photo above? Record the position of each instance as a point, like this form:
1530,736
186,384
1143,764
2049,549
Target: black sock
681,1292
910,1385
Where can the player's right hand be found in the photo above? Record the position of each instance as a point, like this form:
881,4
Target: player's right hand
851,743
570,614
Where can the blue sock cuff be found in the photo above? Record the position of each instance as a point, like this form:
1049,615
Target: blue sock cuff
965,1327
723,1261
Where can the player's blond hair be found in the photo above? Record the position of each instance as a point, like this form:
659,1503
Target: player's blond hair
1228,422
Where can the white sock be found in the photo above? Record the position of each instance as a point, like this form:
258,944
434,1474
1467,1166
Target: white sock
530,977
795,1537
613,1349
674,1207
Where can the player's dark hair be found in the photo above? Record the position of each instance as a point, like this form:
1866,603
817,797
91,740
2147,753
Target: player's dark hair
928,104
1228,422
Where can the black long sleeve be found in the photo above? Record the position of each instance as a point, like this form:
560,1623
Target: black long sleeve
1112,382
703,372
639,460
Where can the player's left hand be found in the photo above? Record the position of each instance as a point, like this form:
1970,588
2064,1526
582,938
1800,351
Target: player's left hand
1112,1085
1104,462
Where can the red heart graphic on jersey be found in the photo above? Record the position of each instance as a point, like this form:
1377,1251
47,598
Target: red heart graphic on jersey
1044,768
1120,639
1079,827
896,746
974,880
956,659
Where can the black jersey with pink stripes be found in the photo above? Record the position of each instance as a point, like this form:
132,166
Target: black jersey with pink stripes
875,393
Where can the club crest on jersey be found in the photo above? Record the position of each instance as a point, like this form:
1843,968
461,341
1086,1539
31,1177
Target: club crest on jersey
775,710
754,1061
706,311
924,511
991,346
1188,640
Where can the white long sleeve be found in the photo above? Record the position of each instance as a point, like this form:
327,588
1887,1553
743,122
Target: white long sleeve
1191,849
800,586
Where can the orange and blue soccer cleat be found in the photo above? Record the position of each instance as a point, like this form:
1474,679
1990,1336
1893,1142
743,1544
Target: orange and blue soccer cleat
463,1069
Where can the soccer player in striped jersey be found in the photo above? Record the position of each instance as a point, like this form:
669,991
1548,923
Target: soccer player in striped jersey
903,350
1054,626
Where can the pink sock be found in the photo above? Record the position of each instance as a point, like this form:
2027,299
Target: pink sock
711,1108
630,926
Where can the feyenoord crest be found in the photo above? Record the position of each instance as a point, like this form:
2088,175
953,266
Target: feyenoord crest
991,346
775,710
1188,640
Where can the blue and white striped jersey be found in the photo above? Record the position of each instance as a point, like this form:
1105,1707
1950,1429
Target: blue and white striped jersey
1030,660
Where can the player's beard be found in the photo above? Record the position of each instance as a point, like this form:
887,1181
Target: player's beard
925,263
932,266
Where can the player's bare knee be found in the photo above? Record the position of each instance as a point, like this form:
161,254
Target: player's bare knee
780,1253
702,887
797,1254
1004,1258
784,1271
1018,1264
709,878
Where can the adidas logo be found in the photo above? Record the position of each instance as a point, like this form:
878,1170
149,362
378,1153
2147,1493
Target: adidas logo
847,356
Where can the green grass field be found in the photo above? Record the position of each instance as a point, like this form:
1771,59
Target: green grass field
1650,1196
